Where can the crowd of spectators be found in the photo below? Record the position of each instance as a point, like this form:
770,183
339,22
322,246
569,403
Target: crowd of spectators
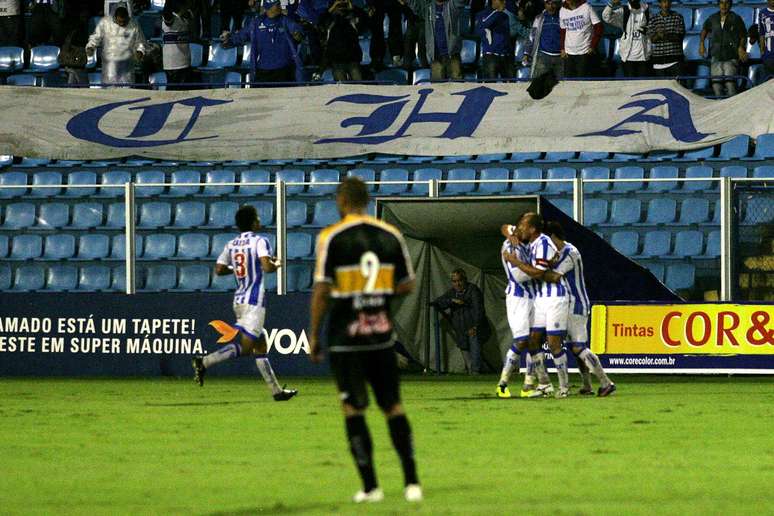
286,36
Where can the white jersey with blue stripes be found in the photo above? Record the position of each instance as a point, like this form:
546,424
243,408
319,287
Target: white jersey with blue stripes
520,284
542,250
244,254
570,265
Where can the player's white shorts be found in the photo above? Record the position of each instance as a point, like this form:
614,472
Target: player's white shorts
551,314
577,331
519,311
249,319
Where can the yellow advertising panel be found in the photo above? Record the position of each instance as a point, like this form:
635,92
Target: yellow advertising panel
683,329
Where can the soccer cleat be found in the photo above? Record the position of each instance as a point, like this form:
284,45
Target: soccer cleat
413,493
546,389
563,393
606,391
285,394
586,391
198,366
374,495
502,391
530,393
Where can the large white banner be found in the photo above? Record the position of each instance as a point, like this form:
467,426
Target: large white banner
346,120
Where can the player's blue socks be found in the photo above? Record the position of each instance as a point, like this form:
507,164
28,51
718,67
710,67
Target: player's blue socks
362,450
227,352
400,431
512,359
560,361
264,367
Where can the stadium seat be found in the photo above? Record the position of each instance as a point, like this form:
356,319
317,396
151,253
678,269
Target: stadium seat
424,174
595,173
489,174
197,54
747,14
94,278
154,215
661,210
366,174
697,172
160,277
118,247
15,179
223,283
21,79
11,59
589,156
29,278
193,277
265,210
295,213
158,81
114,178
392,75
700,15
5,277
4,239
663,173
680,276
45,178
691,47
44,58
93,247
87,215
149,177
693,211
95,80
325,213
292,176
559,187
735,148
233,80
81,177
527,173
61,278
299,245
116,216
733,171
421,76
188,214
713,245
253,176
697,155
59,247
657,269
52,215
594,211
565,205
764,172
469,52
26,247
393,174
192,246
218,176
625,242
460,174
219,57
181,177
764,147
523,157
219,242
159,246
118,280
625,211
299,277
365,47
556,157
628,173
687,244
323,175
19,215
702,84
656,244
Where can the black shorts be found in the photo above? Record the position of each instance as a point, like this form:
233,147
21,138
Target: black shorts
379,368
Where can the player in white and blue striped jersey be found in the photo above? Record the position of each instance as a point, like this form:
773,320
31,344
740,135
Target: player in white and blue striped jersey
248,257
570,265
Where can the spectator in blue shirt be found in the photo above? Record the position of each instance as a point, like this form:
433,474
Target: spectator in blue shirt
442,35
272,37
493,25
543,50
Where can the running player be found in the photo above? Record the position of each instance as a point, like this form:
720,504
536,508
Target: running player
570,265
248,258
362,263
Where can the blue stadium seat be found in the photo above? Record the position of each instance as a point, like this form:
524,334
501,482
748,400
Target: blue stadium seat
296,213
116,216
424,174
747,14
735,148
93,247
29,278
291,175
159,246
94,278
87,215
702,84
700,15
697,172
155,215
366,174
594,211
625,211
687,14
114,177
687,244
460,174
299,277
469,51
254,176
680,276
323,175
81,177
588,157
527,173
44,58
5,277
222,283
33,162
556,157
657,269
299,245
26,247
221,214
365,47
565,205
697,155
661,210
488,158
523,157
52,215
11,59
325,213
193,277
146,177
693,211
4,239
45,178
197,54
663,173
118,247
62,278
628,173
713,244
179,178
188,214
219,242
21,79
192,246
625,156
656,244
118,280
219,176
393,174
733,171
15,179
421,76
559,173
595,173
764,172
764,147
625,242
493,188
393,75
59,247
160,277
691,47
220,57
19,215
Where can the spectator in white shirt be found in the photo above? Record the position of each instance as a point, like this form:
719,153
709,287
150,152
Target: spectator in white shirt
580,32
634,48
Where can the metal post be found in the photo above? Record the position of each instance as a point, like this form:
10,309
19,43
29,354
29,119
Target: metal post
437,328
577,200
129,238
282,227
726,250
432,188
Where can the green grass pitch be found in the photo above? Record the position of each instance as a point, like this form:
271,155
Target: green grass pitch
687,445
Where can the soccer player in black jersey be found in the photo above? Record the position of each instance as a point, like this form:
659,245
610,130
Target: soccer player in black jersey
362,263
